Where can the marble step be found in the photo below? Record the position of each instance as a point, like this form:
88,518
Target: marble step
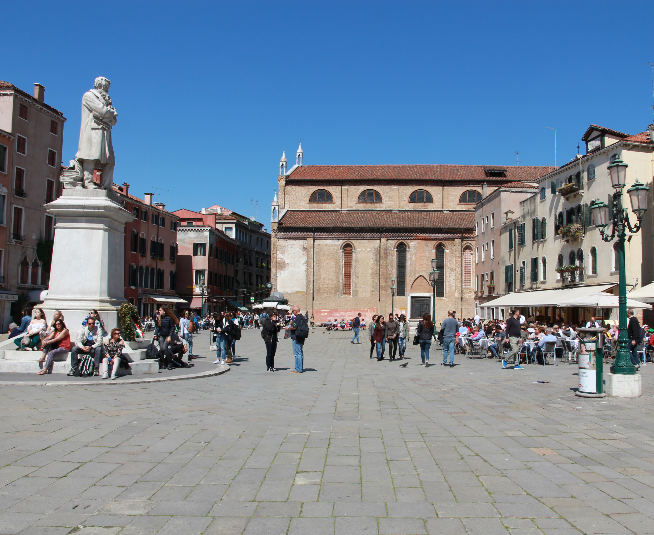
140,367
12,354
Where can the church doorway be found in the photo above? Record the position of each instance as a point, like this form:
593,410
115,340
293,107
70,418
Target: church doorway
420,306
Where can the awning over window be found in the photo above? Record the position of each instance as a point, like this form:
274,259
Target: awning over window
546,298
171,299
237,305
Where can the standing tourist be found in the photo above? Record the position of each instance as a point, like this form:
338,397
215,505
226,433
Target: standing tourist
391,333
513,337
269,329
378,337
371,332
449,328
425,331
58,342
223,328
299,329
166,323
185,331
634,334
404,334
356,325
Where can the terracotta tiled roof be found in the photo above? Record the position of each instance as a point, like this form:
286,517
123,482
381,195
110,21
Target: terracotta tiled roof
602,129
643,137
7,85
374,219
461,173
183,213
118,189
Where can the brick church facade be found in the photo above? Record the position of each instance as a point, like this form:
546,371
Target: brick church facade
342,235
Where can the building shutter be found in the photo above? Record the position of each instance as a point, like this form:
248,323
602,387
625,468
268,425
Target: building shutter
553,187
534,229
521,234
510,239
543,229
587,220
522,275
534,270
508,270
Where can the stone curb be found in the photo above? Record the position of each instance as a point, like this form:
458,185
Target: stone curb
210,373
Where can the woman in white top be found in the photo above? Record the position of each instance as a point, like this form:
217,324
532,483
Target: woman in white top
32,339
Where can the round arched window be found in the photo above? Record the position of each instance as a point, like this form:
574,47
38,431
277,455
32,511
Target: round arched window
421,195
470,197
321,195
370,195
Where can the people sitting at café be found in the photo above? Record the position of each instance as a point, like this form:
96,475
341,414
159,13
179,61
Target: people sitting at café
113,349
549,337
56,343
31,338
89,342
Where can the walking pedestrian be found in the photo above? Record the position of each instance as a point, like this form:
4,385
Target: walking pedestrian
185,330
449,328
356,325
404,334
425,331
269,329
634,334
299,329
378,337
513,338
371,332
391,332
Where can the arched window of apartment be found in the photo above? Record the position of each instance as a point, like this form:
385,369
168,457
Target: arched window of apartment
580,263
321,195
543,269
421,196
467,267
347,269
614,258
141,277
470,197
161,254
401,269
593,261
24,271
35,271
370,196
440,266
559,264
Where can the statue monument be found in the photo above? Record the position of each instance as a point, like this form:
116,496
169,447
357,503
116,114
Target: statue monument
95,151
88,270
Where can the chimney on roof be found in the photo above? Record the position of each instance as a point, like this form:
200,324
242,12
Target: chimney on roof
39,92
160,205
125,188
484,190
651,132
148,198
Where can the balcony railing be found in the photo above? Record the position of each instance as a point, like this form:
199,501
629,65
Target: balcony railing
20,193
17,237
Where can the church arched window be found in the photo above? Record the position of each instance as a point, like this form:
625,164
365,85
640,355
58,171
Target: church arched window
347,269
421,196
401,269
470,197
440,266
321,195
370,196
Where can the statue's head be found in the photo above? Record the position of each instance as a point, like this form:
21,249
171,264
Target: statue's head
102,83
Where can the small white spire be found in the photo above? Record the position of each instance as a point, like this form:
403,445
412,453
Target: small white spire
282,163
275,199
299,155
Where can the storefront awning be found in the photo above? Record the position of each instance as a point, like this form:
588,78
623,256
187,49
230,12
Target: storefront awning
602,300
172,299
6,295
646,293
237,305
546,298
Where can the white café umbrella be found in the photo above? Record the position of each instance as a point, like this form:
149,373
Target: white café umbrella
646,293
601,300
283,307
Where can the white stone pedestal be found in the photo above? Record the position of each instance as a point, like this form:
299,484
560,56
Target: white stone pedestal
623,386
88,257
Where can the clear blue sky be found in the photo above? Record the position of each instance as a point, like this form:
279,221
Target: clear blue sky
209,93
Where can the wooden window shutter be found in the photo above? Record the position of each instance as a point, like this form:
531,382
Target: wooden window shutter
347,270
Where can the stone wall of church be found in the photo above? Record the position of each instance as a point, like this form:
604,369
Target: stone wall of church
311,276
296,197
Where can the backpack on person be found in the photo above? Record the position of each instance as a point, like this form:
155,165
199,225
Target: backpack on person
191,327
356,323
86,366
302,327
236,332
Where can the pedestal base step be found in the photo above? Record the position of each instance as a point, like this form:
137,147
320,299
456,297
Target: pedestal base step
624,386
139,367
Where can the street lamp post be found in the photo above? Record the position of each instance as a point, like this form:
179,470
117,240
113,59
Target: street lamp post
202,290
600,212
392,296
433,277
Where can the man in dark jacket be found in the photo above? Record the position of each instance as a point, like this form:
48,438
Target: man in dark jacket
269,330
634,333
298,323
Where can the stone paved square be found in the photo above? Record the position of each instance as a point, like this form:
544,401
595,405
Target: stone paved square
351,446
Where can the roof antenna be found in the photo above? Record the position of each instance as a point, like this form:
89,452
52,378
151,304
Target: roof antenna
652,65
517,162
